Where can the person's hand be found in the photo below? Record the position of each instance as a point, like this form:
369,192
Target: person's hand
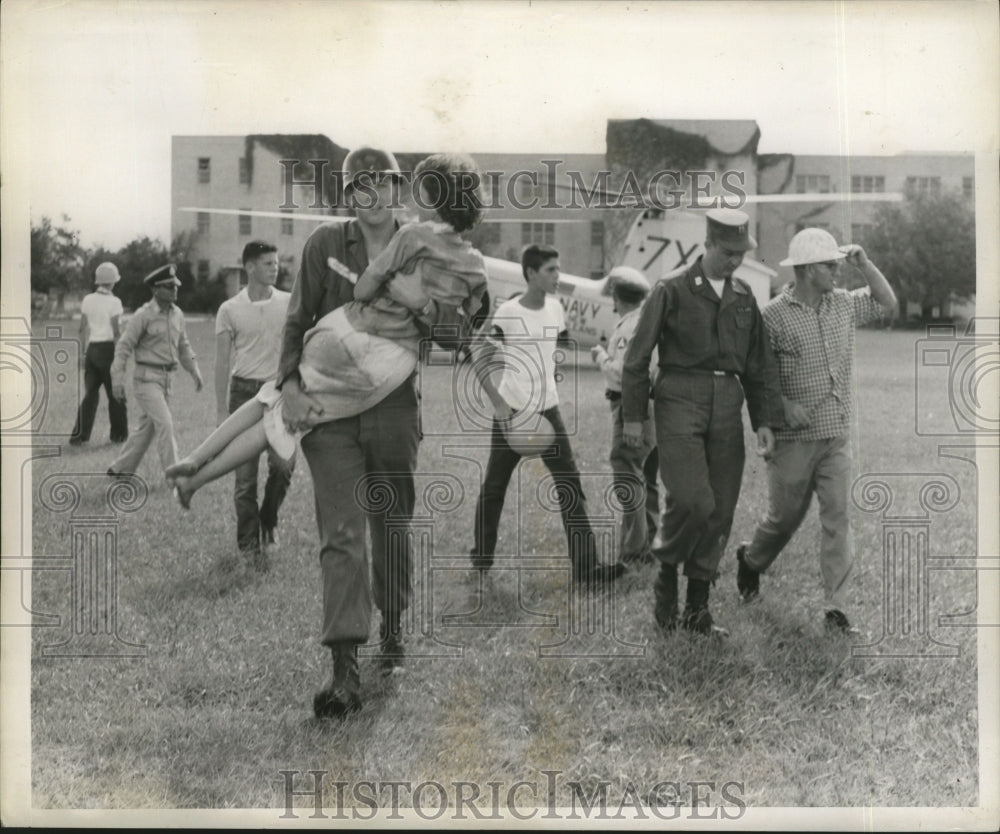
408,291
765,442
199,383
796,415
298,408
632,433
118,392
856,255
597,353
503,412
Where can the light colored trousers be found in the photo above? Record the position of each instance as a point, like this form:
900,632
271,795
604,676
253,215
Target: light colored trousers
152,391
796,471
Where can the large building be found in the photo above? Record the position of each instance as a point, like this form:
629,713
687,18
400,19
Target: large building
566,200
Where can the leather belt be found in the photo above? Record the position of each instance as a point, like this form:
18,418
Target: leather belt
614,396
160,367
677,369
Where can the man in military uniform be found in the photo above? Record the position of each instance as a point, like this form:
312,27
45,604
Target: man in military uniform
635,468
155,335
712,349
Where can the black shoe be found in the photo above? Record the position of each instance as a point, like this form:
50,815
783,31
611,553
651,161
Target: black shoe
747,579
601,576
119,439
699,620
481,561
113,474
342,695
76,441
391,652
836,622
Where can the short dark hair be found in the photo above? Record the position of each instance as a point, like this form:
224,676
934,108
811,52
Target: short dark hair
255,248
534,255
452,183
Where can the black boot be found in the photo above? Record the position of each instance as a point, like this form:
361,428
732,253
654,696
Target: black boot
665,589
391,650
696,615
343,693
747,579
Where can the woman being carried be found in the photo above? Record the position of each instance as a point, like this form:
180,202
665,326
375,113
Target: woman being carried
357,354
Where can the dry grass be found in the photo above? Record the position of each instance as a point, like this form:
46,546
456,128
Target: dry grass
220,704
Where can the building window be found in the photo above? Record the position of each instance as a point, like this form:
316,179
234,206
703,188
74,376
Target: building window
968,188
287,224
544,233
244,170
204,169
245,223
859,231
204,269
203,219
867,185
812,184
923,186
597,233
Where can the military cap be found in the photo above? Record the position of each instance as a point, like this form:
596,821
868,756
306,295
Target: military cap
162,275
370,163
730,228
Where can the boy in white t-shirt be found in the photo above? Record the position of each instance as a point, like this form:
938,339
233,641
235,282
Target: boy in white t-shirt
100,327
523,334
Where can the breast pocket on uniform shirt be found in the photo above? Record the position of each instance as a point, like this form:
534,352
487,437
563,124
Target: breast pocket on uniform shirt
157,327
744,317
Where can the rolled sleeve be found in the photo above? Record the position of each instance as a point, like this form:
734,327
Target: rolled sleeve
864,308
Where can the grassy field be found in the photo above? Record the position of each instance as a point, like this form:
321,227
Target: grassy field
519,677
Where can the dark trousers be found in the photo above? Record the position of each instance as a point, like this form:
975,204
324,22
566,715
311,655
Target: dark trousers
699,434
97,374
249,517
635,469
569,492
362,469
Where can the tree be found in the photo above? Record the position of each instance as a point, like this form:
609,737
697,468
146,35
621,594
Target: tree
57,259
926,248
135,261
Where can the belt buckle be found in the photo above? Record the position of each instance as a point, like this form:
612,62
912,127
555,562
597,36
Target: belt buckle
719,373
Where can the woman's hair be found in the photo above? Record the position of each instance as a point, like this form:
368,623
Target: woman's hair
451,182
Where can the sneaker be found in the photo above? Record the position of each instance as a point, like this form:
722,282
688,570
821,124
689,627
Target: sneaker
747,579
342,695
836,622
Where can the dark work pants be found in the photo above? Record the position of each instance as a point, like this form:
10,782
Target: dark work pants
635,472
249,517
699,434
97,374
362,469
569,492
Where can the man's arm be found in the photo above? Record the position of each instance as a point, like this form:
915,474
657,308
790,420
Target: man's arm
185,353
879,287
223,355
303,304
635,368
84,335
123,350
760,382
487,359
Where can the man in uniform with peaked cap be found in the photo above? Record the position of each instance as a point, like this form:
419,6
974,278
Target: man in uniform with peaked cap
712,348
155,336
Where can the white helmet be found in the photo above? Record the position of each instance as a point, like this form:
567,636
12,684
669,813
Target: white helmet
812,246
106,273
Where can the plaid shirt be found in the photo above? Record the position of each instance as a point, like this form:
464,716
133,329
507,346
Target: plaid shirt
815,353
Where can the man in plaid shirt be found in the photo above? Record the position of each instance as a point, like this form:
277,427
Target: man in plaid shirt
811,329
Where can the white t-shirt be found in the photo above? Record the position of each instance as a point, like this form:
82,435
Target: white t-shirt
255,328
100,308
528,345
